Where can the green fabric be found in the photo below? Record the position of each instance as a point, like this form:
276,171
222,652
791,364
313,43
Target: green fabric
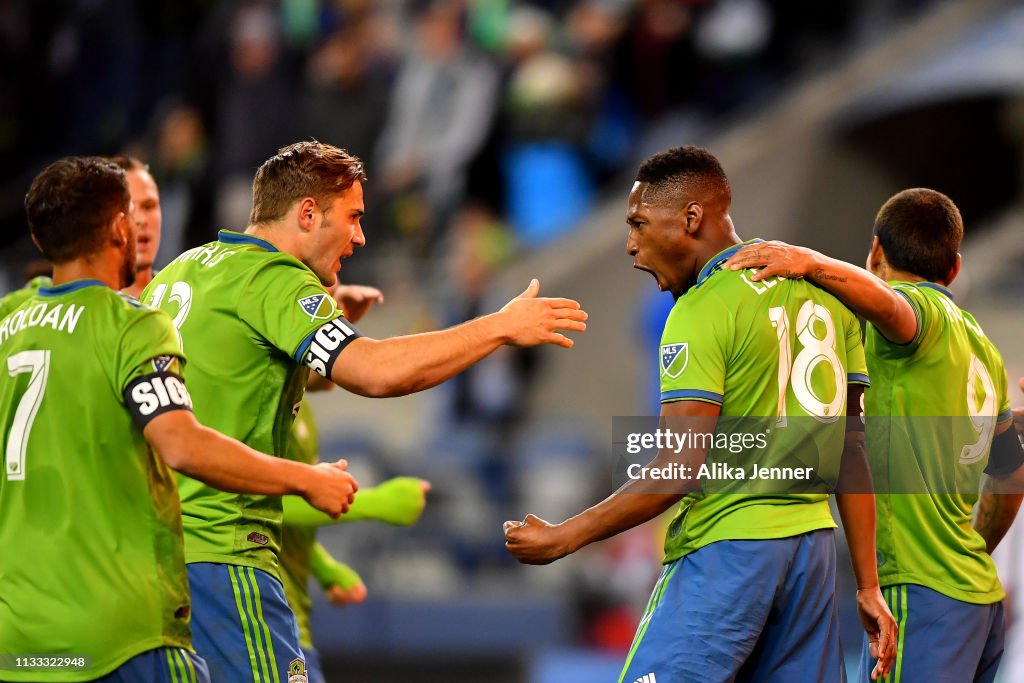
721,344
14,299
330,572
243,311
397,501
928,539
89,520
297,542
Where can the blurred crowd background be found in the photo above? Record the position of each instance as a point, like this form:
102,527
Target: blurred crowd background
501,138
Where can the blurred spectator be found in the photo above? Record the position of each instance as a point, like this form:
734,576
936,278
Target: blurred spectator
441,110
346,101
655,63
179,164
252,107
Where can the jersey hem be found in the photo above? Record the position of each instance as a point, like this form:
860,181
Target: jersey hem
971,597
216,558
95,672
754,535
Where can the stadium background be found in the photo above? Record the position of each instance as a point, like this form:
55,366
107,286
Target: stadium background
501,137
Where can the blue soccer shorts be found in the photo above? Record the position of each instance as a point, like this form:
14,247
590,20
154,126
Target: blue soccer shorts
941,640
758,610
161,665
242,625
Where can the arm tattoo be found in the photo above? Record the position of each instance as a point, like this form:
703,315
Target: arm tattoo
820,274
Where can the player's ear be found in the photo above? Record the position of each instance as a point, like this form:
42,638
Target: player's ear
876,256
954,271
692,216
119,230
307,214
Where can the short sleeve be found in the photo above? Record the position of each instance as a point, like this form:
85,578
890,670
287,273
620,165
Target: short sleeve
286,304
856,363
693,354
149,343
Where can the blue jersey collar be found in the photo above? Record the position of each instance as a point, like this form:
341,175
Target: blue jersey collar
715,264
938,288
231,237
72,286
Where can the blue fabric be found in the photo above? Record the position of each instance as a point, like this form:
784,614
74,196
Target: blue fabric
162,665
942,640
549,191
762,611
231,602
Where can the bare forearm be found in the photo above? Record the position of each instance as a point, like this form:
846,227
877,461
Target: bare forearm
856,506
995,513
228,465
868,296
407,364
619,512
857,511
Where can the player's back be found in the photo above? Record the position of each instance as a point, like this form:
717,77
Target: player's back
92,559
932,410
777,357
243,310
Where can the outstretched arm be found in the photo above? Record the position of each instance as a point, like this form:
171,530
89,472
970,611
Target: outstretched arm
398,501
340,582
534,541
404,365
229,465
868,296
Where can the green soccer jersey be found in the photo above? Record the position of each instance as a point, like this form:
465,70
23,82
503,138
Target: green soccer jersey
779,350
297,541
924,440
11,301
247,315
90,526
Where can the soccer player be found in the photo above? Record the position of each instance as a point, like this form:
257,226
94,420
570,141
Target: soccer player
92,413
928,358
747,592
148,219
397,501
10,301
254,317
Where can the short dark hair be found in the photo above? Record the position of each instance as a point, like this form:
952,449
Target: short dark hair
305,169
129,163
71,202
690,168
920,231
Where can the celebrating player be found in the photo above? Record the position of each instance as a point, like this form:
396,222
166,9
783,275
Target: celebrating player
93,414
148,219
398,501
927,357
254,317
748,588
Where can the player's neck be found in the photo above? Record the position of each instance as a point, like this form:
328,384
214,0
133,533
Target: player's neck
93,267
279,235
719,241
142,278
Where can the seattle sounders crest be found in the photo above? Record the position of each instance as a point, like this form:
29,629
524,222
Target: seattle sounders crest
674,358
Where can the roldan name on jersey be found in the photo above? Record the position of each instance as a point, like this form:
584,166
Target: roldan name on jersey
56,316
327,343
